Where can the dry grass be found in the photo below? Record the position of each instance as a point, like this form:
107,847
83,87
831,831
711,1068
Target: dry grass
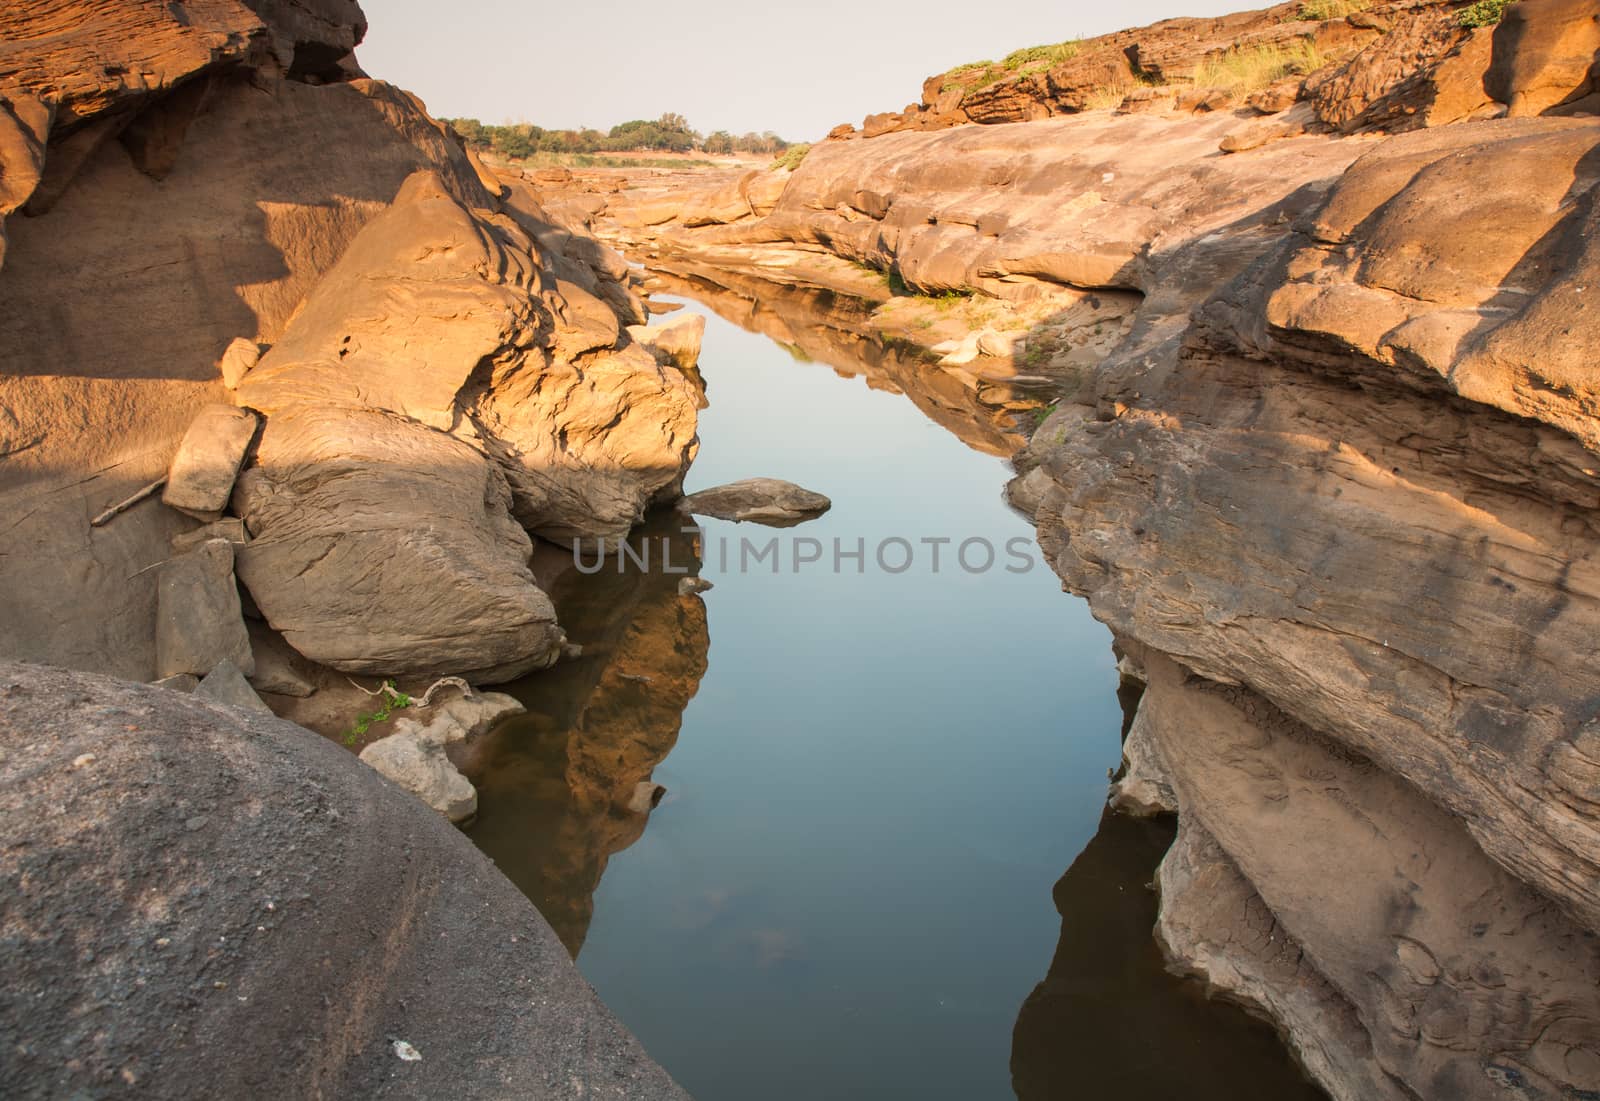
1243,71
1023,62
1318,10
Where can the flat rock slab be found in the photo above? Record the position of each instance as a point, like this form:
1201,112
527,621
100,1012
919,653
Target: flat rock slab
221,897
200,480
199,620
768,501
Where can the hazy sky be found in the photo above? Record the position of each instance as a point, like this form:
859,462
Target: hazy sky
725,64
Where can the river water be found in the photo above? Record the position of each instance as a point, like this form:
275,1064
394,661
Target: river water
876,771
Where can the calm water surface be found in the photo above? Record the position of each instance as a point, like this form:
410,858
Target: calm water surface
874,781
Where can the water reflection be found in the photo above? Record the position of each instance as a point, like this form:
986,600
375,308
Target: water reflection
563,787
821,326
1109,1019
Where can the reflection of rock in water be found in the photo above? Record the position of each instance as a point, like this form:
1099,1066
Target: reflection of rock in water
558,787
1109,1021
827,327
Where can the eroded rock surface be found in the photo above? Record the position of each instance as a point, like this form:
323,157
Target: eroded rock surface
196,891
255,173
382,546
770,501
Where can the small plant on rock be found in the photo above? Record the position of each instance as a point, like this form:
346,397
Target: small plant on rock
1315,11
393,700
1485,13
792,156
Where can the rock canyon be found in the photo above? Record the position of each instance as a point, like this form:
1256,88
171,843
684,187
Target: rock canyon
1285,321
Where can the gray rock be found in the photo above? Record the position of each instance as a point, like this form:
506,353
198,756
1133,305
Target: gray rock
769,501
414,758
179,682
478,713
247,936
200,479
226,684
691,585
277,665
199,621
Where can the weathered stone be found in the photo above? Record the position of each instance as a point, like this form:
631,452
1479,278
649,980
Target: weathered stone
480,712
199,621
230,529
200,480
382,546
675,343
414,758
689,586
179,682
237,360
770,501
300,854
1546,53
277,665
226,684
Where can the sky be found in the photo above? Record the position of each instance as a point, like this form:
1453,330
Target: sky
734,65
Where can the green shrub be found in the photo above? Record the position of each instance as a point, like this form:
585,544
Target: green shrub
792,156
1036,58
1485,13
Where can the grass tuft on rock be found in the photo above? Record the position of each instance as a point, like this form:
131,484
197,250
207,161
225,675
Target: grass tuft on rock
1485,13
1243,71
1315,11
791,157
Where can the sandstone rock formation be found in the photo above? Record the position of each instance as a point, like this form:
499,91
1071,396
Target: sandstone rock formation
1326,464
1351,530
199,621
239,153
770,501
228,875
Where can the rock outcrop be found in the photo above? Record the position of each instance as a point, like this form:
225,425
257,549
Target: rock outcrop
311,247
195,893
1347,514
770,501
1323,455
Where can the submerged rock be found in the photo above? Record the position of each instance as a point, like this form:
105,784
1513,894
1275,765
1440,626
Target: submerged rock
769,501
204,899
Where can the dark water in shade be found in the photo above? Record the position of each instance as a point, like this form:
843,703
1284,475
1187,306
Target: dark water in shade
874,782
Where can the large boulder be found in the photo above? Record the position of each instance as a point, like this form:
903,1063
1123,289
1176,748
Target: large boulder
197,894
477,338
382,546
1546,54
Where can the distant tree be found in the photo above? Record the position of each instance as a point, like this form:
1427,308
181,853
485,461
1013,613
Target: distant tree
719,142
